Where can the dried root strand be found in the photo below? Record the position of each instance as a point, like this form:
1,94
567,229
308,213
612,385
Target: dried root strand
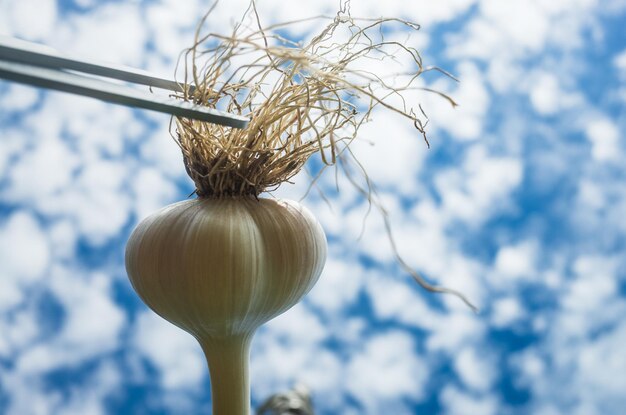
302,99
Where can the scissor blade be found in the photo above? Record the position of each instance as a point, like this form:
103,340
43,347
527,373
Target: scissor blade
18,50
118,94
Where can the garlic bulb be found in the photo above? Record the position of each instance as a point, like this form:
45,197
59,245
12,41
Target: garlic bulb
219,268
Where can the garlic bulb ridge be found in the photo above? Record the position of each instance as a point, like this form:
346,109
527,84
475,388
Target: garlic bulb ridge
217,267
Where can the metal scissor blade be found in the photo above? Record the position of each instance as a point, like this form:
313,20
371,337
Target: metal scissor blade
119,94
18,50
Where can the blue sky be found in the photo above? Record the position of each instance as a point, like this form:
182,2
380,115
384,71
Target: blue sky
520,203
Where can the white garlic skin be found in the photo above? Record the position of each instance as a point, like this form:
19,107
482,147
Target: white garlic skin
219,267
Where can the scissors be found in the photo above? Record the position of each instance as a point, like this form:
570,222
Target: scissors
41,66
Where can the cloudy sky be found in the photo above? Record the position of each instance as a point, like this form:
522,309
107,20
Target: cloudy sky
520,203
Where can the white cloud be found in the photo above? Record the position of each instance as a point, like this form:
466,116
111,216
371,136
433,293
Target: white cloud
86,4
90,399
10,294
46,177
475,370
278,11
43,171
423,12
594,285
457,402
452,331
422,241
517,261
98,129
159,149
523,24
13,142
277,365
530,365
31,19
169,28
581,351
386,370
338,286
506,311
99,214
18,332
152,191
480,188
112,33
591,194
91,325
19,97
605,139
297,325
367,230
428,13
288,349
29,395
620,62
106,176
24,248
503,75
24,256
88,301
175,353
399,301
391,152
600,202
466,121
77,167
506,36
602,365
561,6
545,94
589,370
504,31
63,237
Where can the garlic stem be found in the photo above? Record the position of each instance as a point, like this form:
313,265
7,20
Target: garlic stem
228,359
